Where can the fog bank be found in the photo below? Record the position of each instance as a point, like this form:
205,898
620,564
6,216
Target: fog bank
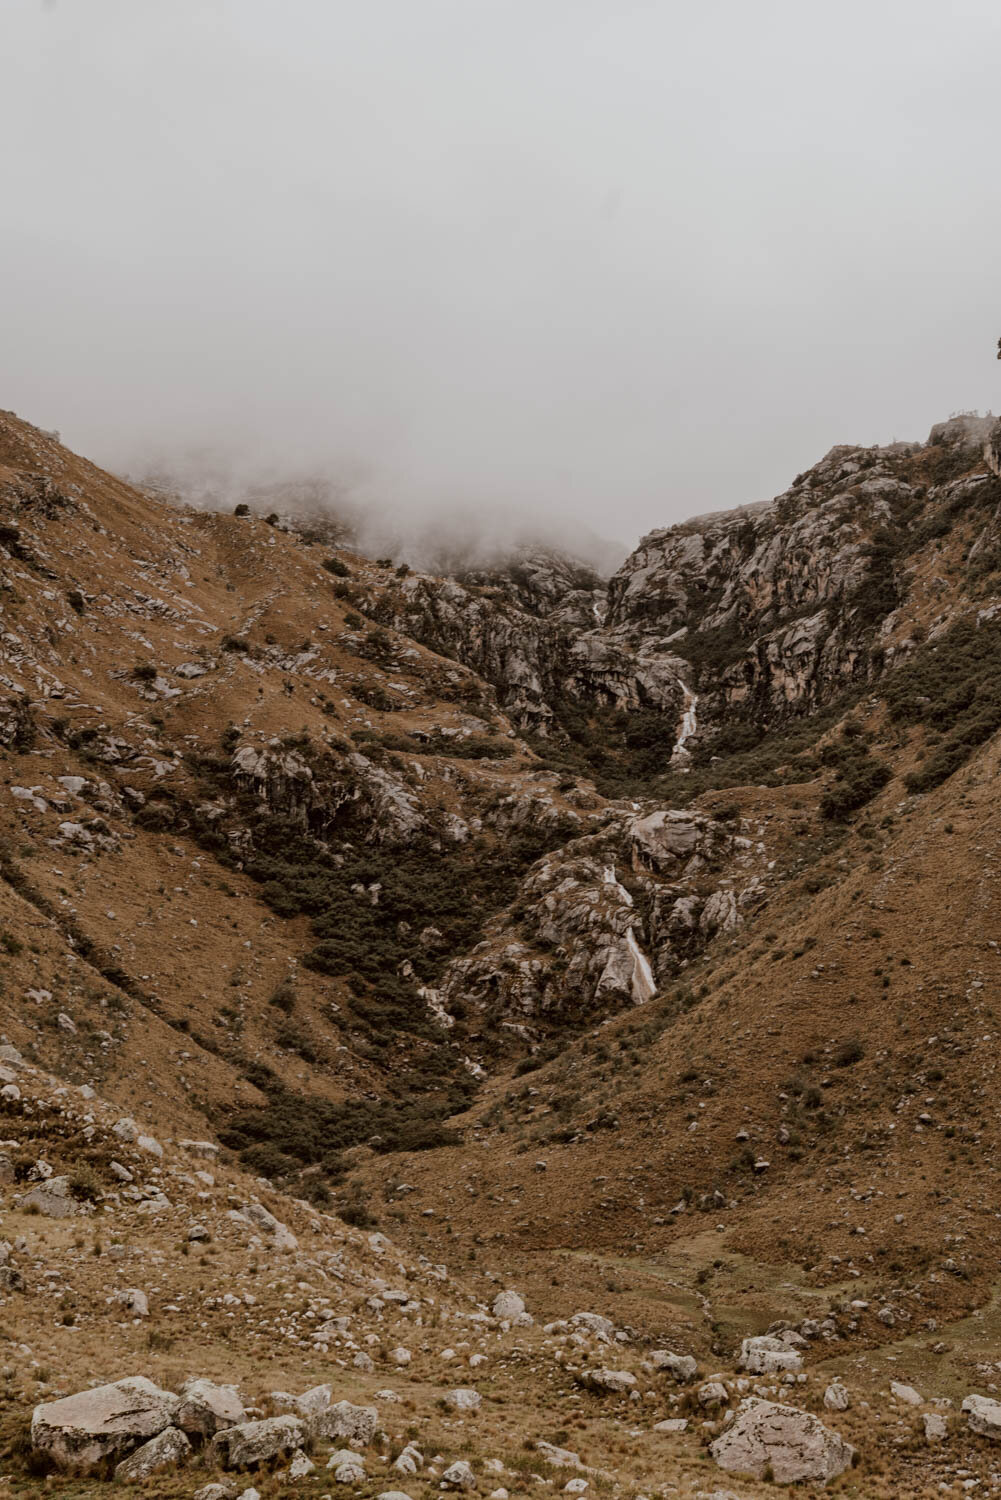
582,265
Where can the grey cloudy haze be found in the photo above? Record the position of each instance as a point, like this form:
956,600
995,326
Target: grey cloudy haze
607,262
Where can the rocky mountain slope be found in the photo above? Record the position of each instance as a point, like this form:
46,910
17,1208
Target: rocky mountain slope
633,938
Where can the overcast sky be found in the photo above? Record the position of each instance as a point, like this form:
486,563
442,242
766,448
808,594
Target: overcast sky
614,261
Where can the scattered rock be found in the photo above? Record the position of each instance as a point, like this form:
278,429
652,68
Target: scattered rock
464,1399
682,1366
791,1444
168,1447
936,1427
603,1380
983,1416
836,1398
458,1476
765,1355
250,1443
508,1305
207,1408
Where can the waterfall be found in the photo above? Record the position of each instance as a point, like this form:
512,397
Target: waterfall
644,984
689,724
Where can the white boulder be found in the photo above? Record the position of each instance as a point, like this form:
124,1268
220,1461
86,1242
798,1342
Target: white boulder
765,1355
983,1416
836,1398
617,1382
681,1366
790,1444
351,1424
79,1432
463,1399
250,1443
458,1476
508,1305
169,1447
207,1408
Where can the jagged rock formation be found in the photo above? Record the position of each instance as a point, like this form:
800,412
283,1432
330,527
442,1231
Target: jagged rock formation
610,918
537,636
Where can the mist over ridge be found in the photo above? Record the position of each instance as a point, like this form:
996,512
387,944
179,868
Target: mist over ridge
602,267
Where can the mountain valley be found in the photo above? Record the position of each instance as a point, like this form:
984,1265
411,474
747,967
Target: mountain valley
497,987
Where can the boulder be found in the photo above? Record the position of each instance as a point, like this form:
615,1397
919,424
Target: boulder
681,1366
133,1301
508,1305
463,1399
792,1445
301,1466
936,1427
208,1150
983,1416
348,1467
168,1447
281,1236
251,1443
905,1393
713,1393
310,1404
352,1424
458,1476
836,1398
560,1458
207,1408
765,1355
594,1323
615,1381
79,1432
52,1198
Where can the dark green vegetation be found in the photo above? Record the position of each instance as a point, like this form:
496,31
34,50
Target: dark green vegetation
622,752
859,776
952,687
368,912
472,747
295,1131
384,921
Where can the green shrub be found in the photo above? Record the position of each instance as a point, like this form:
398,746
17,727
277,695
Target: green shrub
283,998
859,779
953,685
